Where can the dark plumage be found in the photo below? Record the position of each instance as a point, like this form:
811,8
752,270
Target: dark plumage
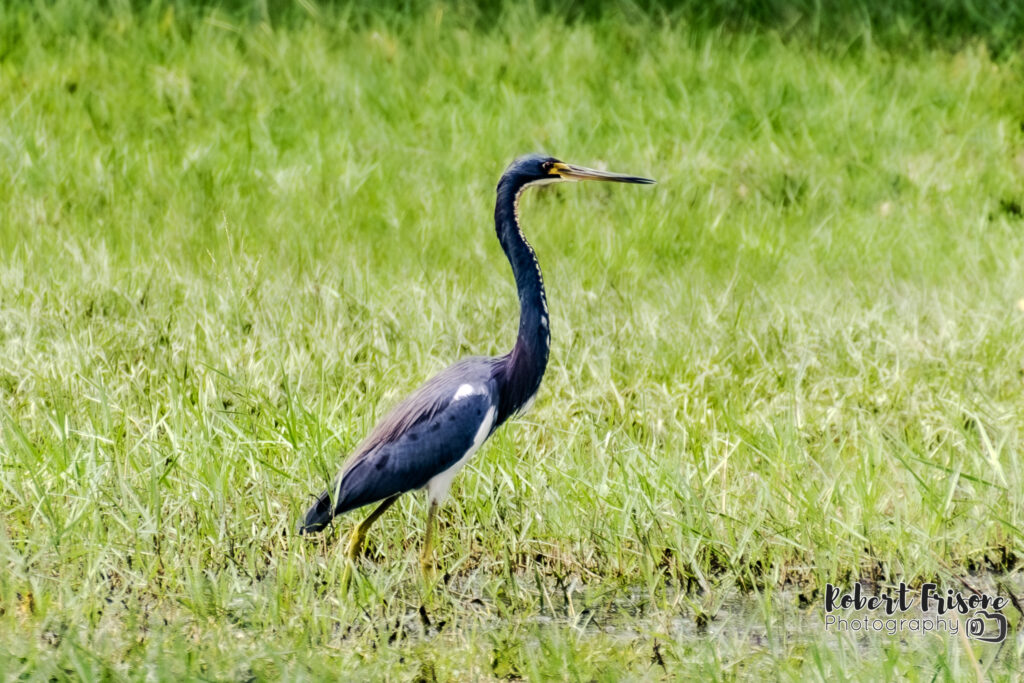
427,438
422,436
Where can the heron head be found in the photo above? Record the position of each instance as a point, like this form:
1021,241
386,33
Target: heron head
540,169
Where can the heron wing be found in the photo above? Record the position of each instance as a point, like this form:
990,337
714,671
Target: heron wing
424,435
410,459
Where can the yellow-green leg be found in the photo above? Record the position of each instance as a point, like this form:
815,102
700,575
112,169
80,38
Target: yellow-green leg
355,542
426,557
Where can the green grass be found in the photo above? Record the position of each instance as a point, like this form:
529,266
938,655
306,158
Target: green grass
227,246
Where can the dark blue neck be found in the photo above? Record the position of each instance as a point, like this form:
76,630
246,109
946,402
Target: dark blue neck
519,372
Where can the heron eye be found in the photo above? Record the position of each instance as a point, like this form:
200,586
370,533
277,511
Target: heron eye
546,166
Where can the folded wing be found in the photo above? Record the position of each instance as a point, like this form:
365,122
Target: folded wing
424,436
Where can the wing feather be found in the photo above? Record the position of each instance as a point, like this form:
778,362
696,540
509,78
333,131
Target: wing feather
422,436
410,460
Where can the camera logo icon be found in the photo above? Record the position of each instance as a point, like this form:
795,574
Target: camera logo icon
989,627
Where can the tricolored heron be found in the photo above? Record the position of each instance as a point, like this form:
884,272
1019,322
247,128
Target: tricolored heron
427,438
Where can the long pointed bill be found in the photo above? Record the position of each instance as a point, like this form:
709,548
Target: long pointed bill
570,172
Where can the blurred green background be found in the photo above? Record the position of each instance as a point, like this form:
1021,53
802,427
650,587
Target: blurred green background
233,234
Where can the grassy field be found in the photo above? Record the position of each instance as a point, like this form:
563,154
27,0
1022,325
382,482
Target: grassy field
227,245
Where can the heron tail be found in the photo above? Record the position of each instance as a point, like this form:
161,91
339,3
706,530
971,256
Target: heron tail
319,515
